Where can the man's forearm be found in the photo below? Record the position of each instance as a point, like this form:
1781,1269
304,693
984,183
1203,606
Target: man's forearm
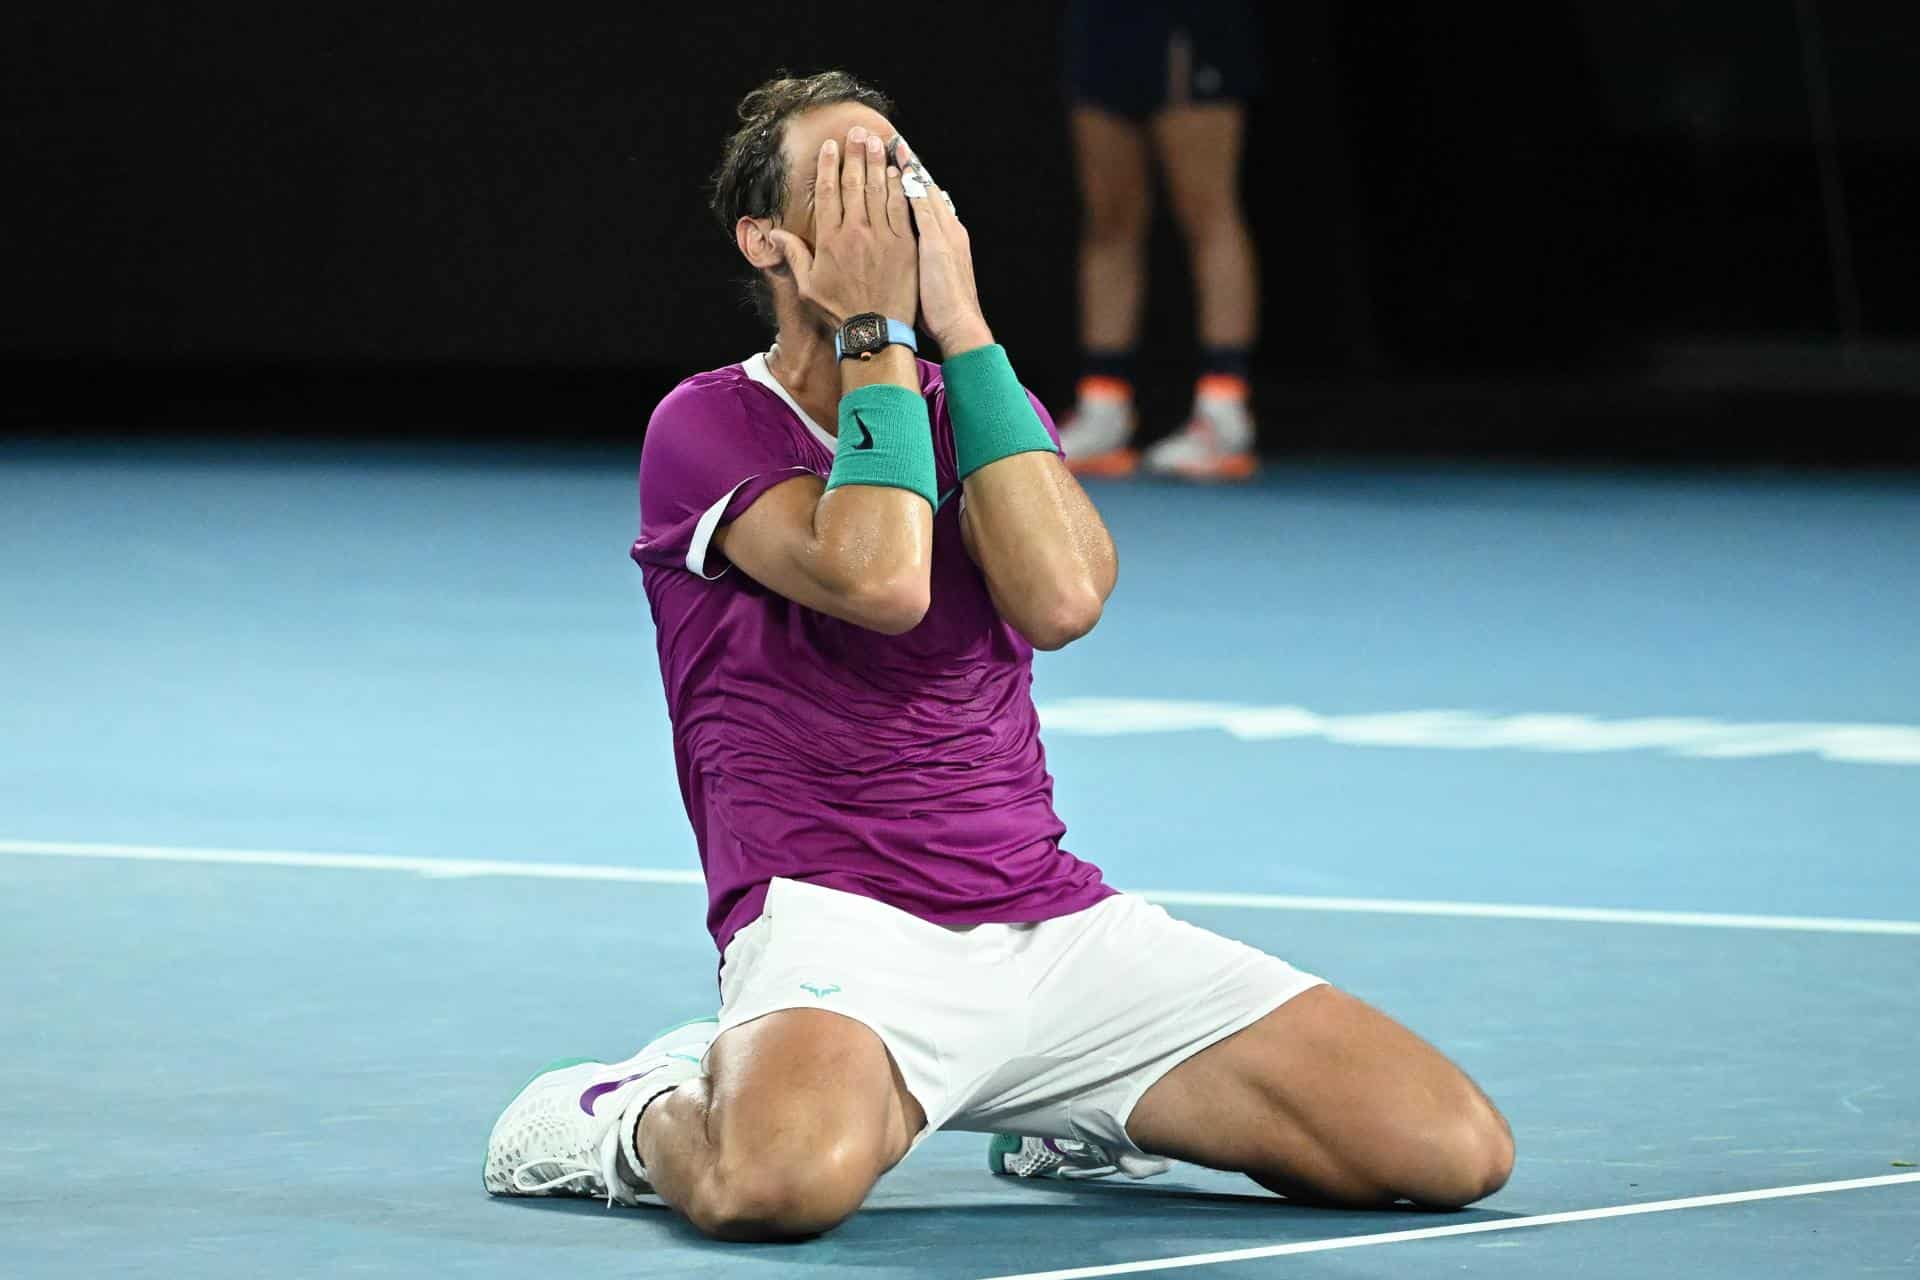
1044,550
892,365
872,553
1046,554
872,544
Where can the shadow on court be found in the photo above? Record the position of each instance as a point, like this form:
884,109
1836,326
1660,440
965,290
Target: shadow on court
1085,1221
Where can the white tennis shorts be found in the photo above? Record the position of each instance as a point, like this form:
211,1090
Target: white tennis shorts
1053,1029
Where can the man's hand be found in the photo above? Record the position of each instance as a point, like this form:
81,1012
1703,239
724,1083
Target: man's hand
949,301
863,257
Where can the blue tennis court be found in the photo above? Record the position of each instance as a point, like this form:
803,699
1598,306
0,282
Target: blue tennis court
336,796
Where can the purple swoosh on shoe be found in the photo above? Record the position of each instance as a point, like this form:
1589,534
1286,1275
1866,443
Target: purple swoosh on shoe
598,1091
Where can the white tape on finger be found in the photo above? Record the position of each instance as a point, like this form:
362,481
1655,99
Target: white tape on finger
915,180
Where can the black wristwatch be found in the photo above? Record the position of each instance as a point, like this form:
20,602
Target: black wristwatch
868,334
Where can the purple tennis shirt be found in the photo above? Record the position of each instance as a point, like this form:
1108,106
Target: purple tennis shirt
907,769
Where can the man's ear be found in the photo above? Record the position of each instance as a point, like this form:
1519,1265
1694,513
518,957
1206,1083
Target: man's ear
756,246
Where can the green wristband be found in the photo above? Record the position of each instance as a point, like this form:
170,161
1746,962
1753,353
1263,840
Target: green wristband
884,440
992,417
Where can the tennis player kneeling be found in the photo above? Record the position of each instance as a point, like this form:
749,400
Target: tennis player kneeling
851,555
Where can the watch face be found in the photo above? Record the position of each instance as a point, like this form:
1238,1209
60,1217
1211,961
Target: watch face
866,333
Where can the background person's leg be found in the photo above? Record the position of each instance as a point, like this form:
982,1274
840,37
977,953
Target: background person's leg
1198,147
1116,199
1328,1099
1199,152
1116,202
797,1116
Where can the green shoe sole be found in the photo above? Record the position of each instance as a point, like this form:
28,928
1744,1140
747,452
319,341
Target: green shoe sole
1002,1146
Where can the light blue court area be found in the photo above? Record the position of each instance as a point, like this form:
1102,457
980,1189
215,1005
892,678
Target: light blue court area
1609,783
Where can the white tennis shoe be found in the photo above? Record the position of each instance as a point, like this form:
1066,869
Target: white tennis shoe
1096,438
1015,1156
1215,444
561,1134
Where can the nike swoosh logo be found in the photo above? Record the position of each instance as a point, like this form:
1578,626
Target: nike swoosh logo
866,437
601,1090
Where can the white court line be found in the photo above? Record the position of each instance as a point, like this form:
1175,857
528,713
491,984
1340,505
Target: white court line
1463,1229
451,868
444,868
1446,729
1519,911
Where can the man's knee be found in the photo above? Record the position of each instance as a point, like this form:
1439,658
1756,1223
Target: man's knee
771,1198
1466,1156
1116,218
1444,1158
1208,218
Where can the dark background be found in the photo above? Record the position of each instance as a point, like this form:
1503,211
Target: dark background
1574,226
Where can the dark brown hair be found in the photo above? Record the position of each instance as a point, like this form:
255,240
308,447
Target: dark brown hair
751,181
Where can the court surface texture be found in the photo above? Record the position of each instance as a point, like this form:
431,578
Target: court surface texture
336,796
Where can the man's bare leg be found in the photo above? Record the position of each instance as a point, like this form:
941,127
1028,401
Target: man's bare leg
1199,152
1328,1099
1116,201
797,1116
1116,207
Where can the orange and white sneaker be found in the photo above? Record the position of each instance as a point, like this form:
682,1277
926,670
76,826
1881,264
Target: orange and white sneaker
1097,436
1215,444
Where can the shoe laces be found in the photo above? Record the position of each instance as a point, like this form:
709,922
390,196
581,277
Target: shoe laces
605,1170
1063,1158
1084,1159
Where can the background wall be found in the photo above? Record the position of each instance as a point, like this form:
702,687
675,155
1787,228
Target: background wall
1574,225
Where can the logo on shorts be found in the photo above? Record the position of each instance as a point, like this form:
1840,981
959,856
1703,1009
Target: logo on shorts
820,993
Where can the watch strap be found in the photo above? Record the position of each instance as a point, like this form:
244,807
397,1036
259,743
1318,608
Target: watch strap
898,331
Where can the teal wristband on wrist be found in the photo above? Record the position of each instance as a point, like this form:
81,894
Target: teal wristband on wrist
992,417
884,440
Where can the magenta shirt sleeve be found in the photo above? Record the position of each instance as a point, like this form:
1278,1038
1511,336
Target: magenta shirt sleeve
1046,419
706,459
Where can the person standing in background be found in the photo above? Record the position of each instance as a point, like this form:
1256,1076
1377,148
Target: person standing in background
1165,80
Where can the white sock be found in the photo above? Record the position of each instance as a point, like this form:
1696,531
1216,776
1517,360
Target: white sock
629,1130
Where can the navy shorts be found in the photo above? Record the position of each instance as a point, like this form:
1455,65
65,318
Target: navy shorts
1136,57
